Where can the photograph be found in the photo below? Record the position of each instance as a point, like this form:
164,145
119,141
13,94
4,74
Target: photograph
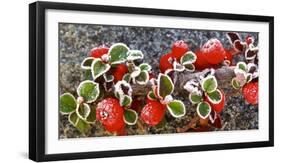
117,80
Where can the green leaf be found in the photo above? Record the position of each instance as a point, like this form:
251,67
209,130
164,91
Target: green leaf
108,78
215,97
188,58
145,67
165,85
142,78
82,126
67,103
235,83
151,95
118,53
125,100
83,111
130,116
203,109
89,90
209,84
127,78
242,66
189,67
176,108
249,78
98,68
73,118
86,63
195,97
134,55
92,116
88,74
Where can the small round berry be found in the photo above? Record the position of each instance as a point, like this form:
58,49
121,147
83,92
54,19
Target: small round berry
153,113
119,71
179,48
229,55
251,92
249,40
99,51
213,51
166,62
201,62
110,114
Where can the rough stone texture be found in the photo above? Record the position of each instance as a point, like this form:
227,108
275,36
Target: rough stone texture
75,41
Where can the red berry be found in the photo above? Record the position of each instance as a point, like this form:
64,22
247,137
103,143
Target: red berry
166,62
229,55
201,62
213,51
179,48
99,51
251,92
110,114
153,113
219,106
249,40
119,71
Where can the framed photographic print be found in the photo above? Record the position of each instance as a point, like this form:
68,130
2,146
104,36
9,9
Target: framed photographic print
117,81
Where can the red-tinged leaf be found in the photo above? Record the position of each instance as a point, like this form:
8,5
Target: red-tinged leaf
251,53
217,122
233,36
240,46
215,119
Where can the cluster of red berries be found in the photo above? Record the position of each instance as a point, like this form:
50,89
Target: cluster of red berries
210,55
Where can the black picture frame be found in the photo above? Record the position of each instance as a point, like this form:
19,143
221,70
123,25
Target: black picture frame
37,77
